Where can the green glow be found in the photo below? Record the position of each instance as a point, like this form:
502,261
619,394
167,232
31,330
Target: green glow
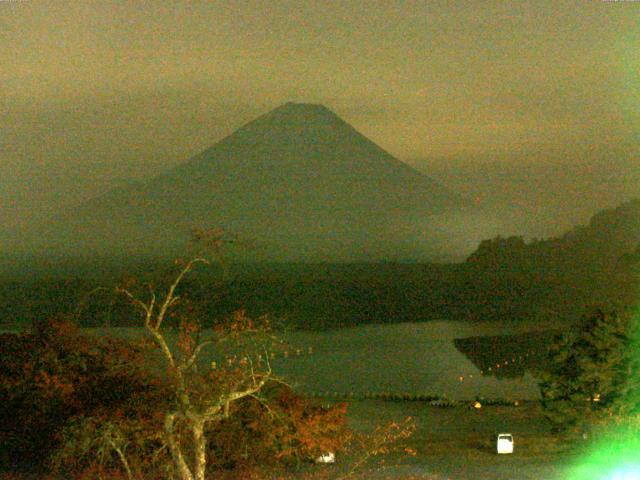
615,452
615,457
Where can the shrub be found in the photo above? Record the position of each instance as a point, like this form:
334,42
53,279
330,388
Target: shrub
52,374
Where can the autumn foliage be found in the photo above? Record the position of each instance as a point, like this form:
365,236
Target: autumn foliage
54,374
71,403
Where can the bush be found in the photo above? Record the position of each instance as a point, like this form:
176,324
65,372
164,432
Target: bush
291,430
52,374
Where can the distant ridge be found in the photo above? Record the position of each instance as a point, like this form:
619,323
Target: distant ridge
299,180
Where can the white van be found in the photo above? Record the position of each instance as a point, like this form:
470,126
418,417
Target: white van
505,443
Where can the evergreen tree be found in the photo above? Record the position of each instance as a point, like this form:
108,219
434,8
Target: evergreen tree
591,374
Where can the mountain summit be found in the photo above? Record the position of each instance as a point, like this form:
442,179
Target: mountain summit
300,181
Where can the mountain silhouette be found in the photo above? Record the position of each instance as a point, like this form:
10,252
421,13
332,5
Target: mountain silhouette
299,181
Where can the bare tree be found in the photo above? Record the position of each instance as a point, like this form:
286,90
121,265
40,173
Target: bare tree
199,400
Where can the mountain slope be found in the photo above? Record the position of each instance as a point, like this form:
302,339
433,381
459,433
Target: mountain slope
299,180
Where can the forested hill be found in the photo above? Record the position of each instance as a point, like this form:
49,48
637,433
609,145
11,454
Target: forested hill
596,264
611,236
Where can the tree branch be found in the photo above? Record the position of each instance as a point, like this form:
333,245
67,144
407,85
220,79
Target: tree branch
148,322
225,400
194,356
136,301
169,298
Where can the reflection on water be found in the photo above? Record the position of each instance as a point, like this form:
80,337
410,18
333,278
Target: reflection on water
406,358
507,356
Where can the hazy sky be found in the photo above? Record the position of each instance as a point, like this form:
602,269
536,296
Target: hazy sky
95,93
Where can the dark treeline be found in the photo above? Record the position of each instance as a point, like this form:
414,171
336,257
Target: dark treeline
300,295
505,279
325,296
